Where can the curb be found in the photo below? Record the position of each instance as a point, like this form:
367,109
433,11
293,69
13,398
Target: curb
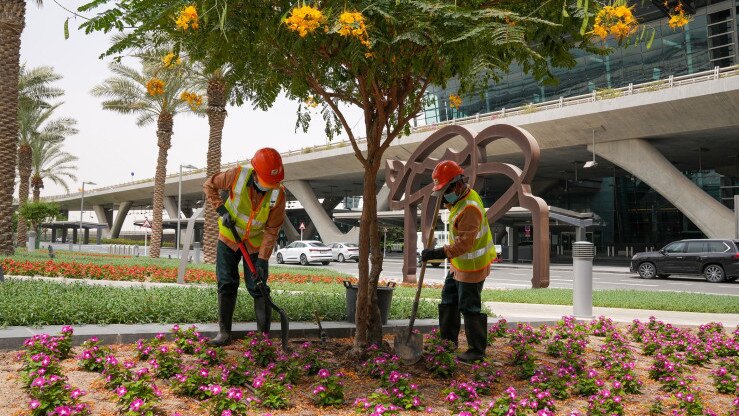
12,338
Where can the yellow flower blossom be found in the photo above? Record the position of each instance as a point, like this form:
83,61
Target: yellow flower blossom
678,19
455,101
155,87
352,24
192,99
169,60
311,102
617,20
304,20
188,18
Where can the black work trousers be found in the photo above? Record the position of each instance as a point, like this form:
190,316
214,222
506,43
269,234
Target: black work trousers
467,296
227,271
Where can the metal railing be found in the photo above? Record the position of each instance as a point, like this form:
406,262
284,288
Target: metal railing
596,95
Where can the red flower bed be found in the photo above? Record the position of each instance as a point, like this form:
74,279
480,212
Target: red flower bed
76,270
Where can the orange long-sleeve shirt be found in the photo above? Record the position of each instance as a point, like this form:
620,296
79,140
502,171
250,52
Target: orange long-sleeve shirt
466,227
223,181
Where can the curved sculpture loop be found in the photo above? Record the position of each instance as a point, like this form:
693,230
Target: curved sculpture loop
408,190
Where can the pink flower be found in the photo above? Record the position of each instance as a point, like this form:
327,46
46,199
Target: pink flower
38,382
63,411
136,405
235,394
227,413
76,393
323,373
34,404
121,391
215,389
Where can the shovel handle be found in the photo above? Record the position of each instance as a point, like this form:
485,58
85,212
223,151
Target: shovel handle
429,241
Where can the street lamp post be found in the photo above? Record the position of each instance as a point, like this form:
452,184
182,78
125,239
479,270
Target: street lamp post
179,204
82,207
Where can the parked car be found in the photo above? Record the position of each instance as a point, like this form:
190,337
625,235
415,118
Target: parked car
716,260
304,252
342,252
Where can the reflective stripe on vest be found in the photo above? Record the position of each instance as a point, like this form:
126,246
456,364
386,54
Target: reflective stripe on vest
483,249
249,223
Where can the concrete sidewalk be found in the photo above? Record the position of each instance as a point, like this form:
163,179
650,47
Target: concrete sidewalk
537,311
563,267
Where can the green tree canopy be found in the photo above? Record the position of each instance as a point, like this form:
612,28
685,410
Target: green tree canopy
378,55
36,213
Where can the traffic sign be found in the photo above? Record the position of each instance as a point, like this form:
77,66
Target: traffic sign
146,223
302,226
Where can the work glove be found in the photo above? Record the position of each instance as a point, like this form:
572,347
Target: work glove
261,266
433,254
226,219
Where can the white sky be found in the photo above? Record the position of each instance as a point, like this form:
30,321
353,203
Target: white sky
110,145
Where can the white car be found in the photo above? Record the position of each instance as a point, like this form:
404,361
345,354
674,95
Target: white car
342,252
304,252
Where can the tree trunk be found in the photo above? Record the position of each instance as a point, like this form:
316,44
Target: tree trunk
369,324
37,183
164,141
24,174
12,20
216,120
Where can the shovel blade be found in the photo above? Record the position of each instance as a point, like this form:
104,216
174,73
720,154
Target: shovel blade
408,348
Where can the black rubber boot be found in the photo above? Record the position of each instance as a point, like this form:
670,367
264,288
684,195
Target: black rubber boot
475,327
449,323
263,315
226,306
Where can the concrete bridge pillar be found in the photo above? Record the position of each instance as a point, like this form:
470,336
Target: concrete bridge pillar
123,208
290,232
104,217
328,204
641,159
324,224
170,205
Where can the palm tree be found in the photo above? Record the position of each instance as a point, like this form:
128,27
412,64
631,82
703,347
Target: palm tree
12,21
35,89
218,92
51,162
154,93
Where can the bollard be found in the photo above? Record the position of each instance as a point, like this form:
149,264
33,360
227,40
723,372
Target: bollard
31,241
196,257
582,291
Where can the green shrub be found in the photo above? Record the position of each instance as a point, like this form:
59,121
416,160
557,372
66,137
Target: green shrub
34,302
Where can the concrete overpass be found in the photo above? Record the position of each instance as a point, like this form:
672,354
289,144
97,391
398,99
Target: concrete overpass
652,131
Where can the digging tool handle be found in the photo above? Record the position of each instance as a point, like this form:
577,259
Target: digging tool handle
429,241
284,323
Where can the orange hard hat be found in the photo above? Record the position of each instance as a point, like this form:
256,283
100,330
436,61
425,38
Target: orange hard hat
267,163
444,173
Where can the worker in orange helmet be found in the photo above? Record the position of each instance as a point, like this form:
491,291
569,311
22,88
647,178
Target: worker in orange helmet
471,250
256,207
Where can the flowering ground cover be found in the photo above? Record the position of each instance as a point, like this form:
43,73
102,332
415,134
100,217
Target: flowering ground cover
571,368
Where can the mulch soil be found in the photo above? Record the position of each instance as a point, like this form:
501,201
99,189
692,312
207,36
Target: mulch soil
14,401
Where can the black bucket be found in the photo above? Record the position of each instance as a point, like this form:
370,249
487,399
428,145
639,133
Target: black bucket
384,297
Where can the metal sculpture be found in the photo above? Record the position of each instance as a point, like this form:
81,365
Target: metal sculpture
407,190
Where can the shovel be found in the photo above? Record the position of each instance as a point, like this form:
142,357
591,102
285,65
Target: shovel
284,323
410,347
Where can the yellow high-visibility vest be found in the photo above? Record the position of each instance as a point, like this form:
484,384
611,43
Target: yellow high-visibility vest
249,223
483,249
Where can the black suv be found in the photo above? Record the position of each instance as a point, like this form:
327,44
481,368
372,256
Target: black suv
716,260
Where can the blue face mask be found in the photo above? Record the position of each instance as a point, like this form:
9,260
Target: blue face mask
451,197
256,185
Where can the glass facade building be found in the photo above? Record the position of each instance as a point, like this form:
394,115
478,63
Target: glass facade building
633,214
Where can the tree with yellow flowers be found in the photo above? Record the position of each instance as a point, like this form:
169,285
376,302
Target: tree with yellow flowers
378,55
